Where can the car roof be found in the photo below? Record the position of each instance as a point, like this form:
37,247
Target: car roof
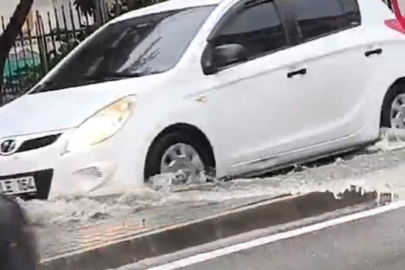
165,6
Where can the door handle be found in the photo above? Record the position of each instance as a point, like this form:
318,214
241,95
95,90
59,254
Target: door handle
301,71
376,51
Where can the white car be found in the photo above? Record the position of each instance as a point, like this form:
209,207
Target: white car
225,87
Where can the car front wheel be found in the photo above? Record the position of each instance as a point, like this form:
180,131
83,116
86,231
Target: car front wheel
179,154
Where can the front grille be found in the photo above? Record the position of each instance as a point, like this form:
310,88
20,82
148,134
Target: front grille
38,143
43,180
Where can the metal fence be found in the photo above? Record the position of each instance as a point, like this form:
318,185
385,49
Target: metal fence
47,38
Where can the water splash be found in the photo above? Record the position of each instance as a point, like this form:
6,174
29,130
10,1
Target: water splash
390,139
363,171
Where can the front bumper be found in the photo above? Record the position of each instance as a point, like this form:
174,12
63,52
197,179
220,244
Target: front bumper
92,170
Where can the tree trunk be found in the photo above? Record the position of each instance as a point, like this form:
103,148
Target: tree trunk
10,34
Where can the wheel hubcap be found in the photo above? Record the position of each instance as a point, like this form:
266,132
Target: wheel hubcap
183,161
398,112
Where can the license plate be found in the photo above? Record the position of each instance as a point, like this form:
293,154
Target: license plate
18,185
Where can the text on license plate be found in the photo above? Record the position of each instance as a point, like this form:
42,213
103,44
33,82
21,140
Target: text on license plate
18,185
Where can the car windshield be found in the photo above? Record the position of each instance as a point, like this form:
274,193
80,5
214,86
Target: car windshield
134,47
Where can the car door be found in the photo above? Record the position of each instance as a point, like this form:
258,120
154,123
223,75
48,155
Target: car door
332,54
250,102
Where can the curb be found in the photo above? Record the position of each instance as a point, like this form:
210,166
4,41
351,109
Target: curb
178,237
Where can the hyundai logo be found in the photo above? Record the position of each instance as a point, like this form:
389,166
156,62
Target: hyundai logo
8,147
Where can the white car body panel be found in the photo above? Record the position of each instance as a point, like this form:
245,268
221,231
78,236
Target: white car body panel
62,109
254,117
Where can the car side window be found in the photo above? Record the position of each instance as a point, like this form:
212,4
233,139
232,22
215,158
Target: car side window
317,18
256,26
352,10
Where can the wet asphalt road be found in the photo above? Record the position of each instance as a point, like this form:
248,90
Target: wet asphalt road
372,243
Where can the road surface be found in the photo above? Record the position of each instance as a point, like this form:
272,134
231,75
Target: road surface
370,243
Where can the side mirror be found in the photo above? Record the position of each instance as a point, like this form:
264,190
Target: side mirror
221,56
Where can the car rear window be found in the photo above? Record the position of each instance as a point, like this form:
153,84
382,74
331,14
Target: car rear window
318,18
352,10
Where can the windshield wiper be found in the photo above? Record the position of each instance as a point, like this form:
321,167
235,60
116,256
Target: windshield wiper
106,76
87,79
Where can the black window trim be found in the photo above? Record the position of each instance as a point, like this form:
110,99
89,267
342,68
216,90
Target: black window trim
350,26
232,12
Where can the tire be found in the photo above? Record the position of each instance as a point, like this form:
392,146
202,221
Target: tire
388,103
163,143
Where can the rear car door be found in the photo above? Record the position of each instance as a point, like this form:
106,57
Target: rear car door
330,51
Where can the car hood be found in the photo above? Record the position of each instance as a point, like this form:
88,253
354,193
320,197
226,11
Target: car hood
56,110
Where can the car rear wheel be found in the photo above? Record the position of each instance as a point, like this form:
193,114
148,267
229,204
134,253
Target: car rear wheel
393,111
180,154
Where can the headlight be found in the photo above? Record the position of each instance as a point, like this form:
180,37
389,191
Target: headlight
102,125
